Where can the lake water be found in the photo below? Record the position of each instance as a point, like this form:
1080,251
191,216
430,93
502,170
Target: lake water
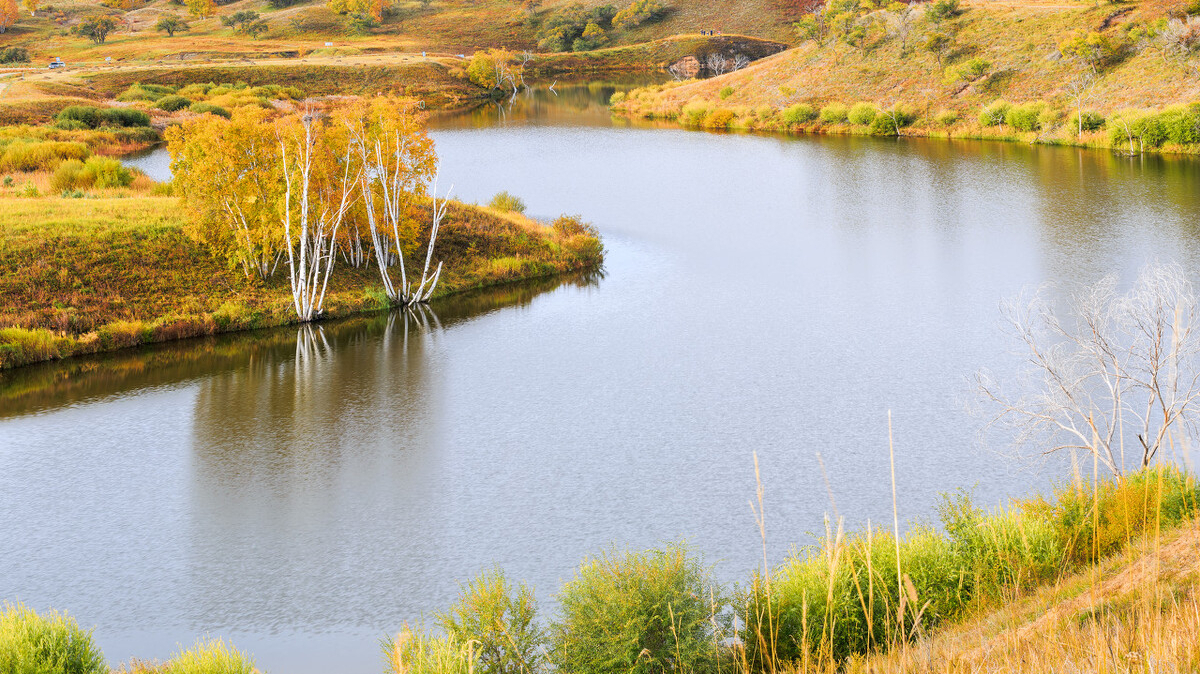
305,492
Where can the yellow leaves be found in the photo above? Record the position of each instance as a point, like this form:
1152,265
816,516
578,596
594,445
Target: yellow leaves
8,14
201,8
371,8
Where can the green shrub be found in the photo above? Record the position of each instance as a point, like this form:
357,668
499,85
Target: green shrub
862,114
172,102
498,622
32,155
942,10
98,172
95,118
66,176
636,612
1092,120
1182,124
694,113
946,117
202,108
725,92
968,71
637,13
211,656
46,644
800,113
13,54
144,92
995,113
1001,552
889,122
834,113
70,125
503,201
1026,117
1141,128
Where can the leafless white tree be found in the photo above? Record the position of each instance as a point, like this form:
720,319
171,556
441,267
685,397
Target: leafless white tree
1080,89
1179,39
901,22
312,214
1121,368
676,71
716,64
740,61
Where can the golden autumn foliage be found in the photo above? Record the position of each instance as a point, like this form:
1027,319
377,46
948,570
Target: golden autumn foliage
371,8
8,14
227,176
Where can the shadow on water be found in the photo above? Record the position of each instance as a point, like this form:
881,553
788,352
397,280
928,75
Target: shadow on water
49,386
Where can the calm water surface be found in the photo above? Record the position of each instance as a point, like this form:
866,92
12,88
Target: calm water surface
307,491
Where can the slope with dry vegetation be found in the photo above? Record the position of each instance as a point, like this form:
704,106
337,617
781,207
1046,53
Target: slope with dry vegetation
1107,75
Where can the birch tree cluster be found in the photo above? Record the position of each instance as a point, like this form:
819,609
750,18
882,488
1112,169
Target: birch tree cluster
295,193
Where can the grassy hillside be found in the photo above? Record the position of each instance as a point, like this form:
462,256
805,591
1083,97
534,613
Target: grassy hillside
1011,52
1136,612
84,275
446,27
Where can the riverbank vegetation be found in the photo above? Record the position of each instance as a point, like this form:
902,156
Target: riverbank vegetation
1122,77
92,274
1100,575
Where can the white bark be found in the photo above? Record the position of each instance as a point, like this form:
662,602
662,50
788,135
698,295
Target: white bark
310,235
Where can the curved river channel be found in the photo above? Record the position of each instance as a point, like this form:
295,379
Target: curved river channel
307,491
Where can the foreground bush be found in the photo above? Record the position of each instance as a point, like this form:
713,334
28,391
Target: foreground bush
46,644
496,621
638,612
211,656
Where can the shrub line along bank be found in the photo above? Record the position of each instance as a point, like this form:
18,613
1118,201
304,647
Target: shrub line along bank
1171,130
845,604
1118,78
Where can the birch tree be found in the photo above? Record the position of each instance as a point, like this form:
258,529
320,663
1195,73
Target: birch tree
399,165
1116,378
320,174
